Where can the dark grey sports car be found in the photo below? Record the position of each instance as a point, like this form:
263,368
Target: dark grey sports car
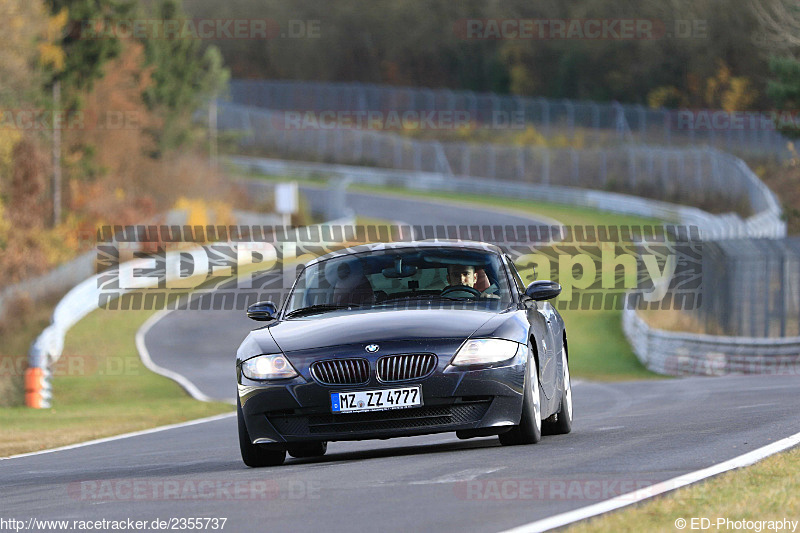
390,340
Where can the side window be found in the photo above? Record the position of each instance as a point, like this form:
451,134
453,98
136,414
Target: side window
514,274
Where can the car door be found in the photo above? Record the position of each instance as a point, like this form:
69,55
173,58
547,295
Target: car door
541,317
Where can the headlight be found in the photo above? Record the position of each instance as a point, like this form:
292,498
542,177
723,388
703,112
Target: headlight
274,366
484,351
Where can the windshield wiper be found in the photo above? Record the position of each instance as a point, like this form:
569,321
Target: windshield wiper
418,297
319,308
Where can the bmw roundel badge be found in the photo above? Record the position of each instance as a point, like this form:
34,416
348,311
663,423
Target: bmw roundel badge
372,348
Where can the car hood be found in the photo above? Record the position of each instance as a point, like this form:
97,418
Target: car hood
376,327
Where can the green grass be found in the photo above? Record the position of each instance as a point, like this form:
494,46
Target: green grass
764,491
106,391
598,350
566,214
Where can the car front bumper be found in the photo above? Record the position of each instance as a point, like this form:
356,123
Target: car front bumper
487,399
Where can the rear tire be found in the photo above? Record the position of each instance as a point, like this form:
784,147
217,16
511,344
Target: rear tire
529,430
308,449
256,455
562,420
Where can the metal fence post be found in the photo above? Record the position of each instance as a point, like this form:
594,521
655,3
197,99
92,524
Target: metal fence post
574,170
398,153
465,158
492,170
642,122
631,167
545,115
667,120
358,146
570,118
603,168
546,166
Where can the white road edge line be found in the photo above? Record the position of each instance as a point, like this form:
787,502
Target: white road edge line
180,379
657,489
123,436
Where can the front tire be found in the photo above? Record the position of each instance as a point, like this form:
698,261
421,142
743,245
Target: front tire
255,455
529,430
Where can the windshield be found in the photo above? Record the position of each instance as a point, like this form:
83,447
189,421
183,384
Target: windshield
401,277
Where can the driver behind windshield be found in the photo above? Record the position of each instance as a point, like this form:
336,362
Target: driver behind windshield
461,275
466,275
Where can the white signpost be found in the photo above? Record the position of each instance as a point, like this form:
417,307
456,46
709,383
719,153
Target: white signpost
286,200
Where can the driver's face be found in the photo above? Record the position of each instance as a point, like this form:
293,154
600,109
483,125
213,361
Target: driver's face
461,275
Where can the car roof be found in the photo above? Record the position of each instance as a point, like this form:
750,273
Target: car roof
424,244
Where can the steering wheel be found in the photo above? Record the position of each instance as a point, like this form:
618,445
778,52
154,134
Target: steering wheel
459,291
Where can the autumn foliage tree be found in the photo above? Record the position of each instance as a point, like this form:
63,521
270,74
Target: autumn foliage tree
127,107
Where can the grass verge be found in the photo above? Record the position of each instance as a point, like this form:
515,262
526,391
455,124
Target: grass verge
566,214
764,491
101,389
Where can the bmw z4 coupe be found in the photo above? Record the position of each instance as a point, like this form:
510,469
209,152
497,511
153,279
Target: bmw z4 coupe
400,339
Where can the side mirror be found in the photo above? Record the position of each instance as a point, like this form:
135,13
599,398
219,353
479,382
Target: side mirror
543,290
262,311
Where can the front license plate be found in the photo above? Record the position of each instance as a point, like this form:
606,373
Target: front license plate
376,400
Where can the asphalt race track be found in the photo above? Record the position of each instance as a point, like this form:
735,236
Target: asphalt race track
625,436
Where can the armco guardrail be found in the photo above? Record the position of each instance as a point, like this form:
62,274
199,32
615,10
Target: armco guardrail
679,353
711,226
690,176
